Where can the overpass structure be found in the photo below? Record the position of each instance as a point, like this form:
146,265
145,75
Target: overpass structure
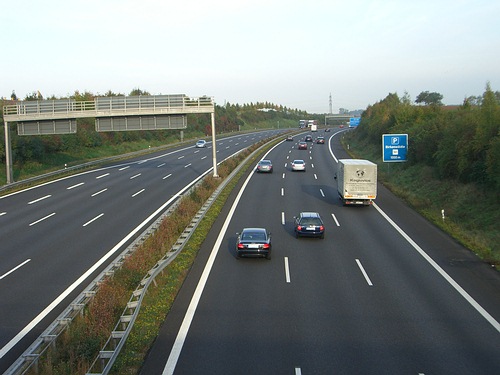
336,117
113,113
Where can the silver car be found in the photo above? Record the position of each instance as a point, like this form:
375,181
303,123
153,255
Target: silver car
201,143
265,166
298,165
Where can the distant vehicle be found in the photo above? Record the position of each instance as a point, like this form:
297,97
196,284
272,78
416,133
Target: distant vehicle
356,181
201,143
309,138
289,138
298,165
302,146
253,242
309,224
320,140
265,166
314,128
327,129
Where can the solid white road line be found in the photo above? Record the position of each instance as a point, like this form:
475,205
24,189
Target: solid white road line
15,268
21,334
364,272
188,318
442,272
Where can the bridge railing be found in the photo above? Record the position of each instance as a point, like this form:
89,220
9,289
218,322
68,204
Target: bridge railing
107,106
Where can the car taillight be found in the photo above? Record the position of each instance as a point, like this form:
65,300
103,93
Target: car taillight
321,227
241,246
299,227
266,246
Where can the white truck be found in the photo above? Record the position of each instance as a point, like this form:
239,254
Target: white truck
356,181
314,127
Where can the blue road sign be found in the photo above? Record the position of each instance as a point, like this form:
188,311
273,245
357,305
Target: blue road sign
394,147
354,121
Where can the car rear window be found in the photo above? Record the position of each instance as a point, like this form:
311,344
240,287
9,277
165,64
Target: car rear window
253,236
310,221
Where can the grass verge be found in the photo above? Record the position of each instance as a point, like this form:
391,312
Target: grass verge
471,214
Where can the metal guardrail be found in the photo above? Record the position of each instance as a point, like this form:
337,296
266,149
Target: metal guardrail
107,356
118,337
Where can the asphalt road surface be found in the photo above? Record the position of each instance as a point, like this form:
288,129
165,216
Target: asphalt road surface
57,237
385,292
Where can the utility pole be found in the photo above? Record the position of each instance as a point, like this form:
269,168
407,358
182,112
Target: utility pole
331,108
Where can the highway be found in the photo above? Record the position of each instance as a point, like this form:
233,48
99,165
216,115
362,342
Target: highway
55,238
385,292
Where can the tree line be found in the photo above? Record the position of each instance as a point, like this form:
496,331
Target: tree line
461,143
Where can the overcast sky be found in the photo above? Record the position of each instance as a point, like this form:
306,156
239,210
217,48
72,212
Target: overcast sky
289,52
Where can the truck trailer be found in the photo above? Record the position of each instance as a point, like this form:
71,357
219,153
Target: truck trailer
356,181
